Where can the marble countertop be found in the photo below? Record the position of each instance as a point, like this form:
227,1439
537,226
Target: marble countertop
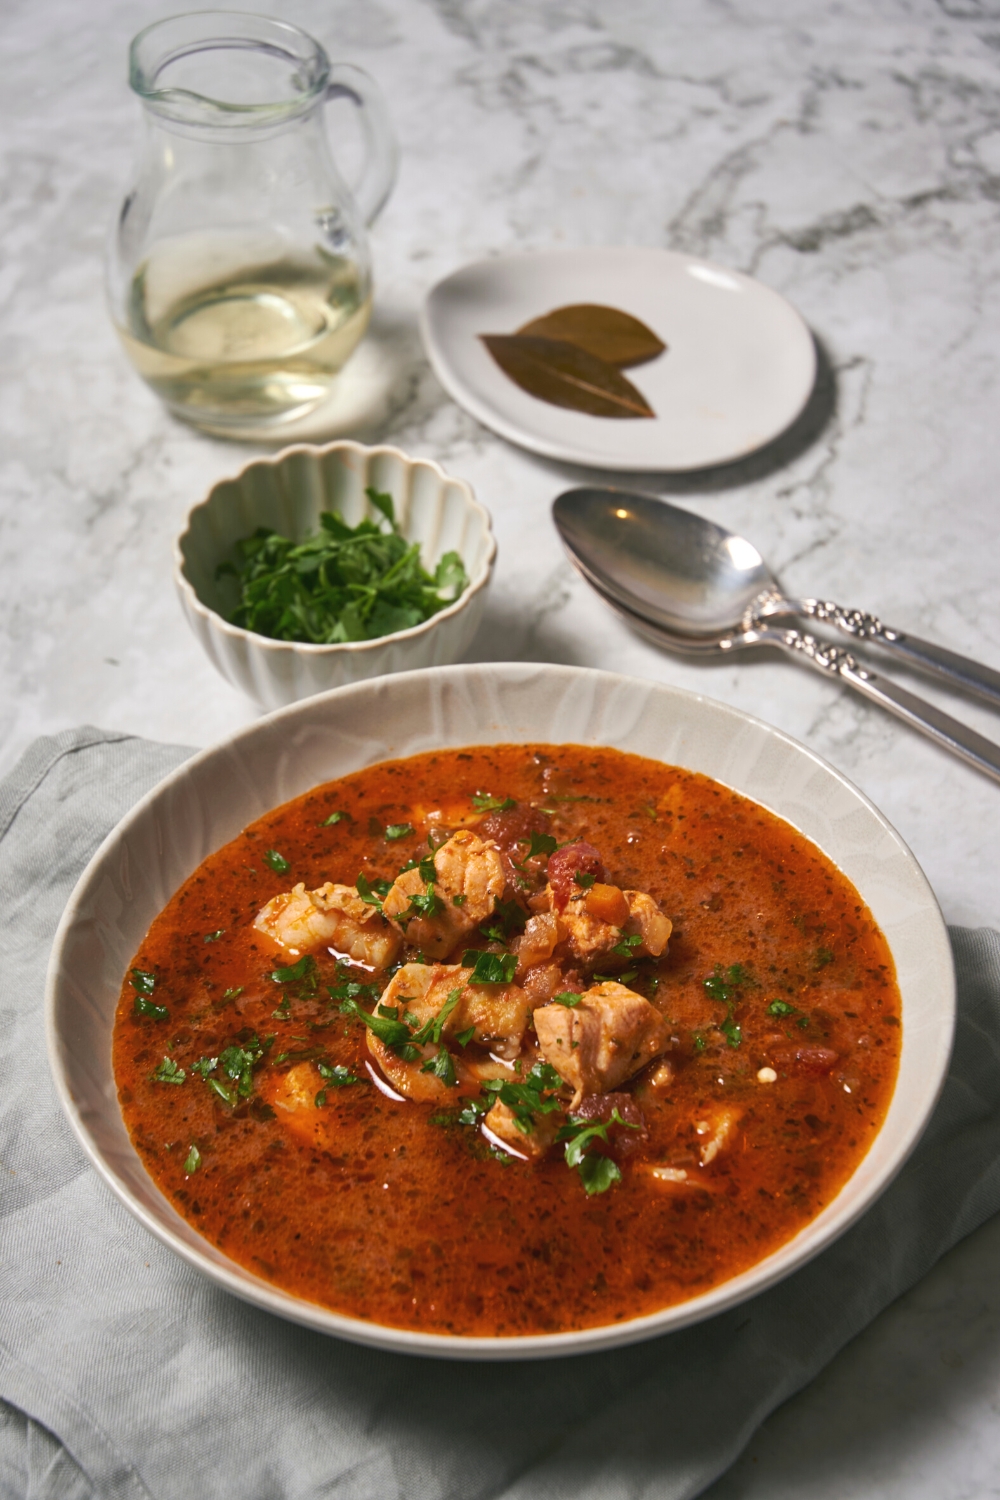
846,155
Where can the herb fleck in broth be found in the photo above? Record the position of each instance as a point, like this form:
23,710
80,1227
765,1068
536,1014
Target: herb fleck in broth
771,1027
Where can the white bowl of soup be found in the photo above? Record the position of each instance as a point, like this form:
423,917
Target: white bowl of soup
279,646
576,1009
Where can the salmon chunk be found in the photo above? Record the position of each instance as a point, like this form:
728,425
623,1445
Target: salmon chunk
468,882
602,1041
333,916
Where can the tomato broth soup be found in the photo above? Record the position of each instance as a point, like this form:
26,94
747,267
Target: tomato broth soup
509,1040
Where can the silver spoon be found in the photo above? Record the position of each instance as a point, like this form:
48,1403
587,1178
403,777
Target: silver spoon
697,588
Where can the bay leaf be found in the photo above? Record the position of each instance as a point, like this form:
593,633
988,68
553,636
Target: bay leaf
562,374
607,332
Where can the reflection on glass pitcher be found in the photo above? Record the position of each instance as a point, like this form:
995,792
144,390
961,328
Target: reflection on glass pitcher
238,270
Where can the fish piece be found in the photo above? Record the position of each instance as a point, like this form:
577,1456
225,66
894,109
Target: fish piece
537,942
602,1041
647,921
292,1096
332,916
501,1121
468,882
296,1089
542,982
497,1012
716,1132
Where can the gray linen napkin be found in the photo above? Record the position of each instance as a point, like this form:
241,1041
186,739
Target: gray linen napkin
123,1373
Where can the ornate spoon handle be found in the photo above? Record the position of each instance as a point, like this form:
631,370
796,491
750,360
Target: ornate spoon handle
922,654
834,661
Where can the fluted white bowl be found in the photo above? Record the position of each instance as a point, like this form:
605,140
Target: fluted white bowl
287,492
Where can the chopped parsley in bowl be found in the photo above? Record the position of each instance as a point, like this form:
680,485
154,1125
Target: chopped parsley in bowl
326,565
342,583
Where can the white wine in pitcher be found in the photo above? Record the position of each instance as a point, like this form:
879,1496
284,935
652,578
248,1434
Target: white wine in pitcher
225,337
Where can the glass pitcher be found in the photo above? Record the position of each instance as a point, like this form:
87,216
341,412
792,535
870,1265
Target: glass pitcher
238,271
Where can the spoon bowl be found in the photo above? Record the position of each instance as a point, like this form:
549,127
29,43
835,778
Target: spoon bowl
680,572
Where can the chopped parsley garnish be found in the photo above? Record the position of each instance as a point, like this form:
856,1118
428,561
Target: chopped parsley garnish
458,900
396,831
616,978
731,1031
393,1032
472,1111
236,1063
303,979
232,994
279,864
193,1161
337,1075
626,944
373,894
463,1038
509,917
144,1007
169,1072
353,991
540,843
583,880
213,937
567,997
597,1172
823,957
431,1030
427,905
334,819
342,583
531,1096
486,802
144,983
489,968
722,986
442,1066
427,868
781,1008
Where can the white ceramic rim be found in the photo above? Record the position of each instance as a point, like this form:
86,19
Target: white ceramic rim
789,1257
536,441
313,648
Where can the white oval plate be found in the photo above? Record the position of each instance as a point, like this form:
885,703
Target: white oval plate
739,366
212,797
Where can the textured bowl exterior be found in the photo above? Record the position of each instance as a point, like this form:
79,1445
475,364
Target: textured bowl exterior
287,493
213,796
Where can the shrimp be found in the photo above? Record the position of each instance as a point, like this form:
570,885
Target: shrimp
300,921
497,1014
468,882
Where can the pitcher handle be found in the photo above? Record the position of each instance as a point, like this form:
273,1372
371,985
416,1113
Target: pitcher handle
378,172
